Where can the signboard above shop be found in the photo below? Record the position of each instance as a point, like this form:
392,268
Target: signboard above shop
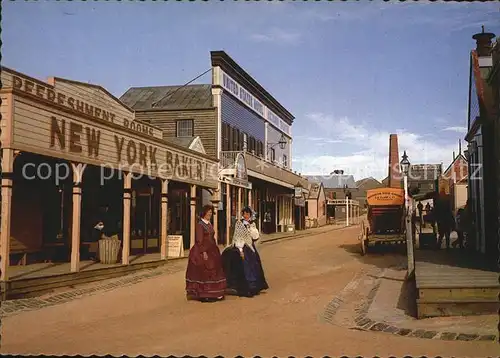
66,123
253,103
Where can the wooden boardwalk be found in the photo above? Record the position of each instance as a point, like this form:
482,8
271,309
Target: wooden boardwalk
35,279
454,283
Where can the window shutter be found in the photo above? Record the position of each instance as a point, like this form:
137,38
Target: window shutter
237,139
231,135
227,133
223,136
242,139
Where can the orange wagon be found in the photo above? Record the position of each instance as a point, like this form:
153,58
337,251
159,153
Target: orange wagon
386,218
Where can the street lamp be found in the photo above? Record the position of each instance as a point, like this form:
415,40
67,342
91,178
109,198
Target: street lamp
405,167
405,164
282,143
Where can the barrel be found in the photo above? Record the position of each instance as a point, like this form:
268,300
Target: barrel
108,250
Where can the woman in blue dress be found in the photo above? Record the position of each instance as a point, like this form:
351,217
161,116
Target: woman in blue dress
241,260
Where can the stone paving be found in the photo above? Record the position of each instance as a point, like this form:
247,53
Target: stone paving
368,314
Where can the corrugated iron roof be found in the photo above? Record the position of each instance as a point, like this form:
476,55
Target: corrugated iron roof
169,97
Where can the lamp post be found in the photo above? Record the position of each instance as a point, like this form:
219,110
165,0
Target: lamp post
347,196
282,143
405,167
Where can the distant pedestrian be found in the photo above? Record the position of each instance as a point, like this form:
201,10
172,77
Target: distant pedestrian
420,208
444,220
205,279
460,227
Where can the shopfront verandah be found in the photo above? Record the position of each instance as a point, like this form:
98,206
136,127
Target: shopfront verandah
47,224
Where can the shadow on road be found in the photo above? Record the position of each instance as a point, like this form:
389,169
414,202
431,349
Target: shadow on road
379,254
407,300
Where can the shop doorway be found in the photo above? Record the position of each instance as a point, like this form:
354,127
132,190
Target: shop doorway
269,218
145,217
179,212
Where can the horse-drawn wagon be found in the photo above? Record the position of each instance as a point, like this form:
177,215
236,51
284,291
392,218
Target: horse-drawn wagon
386,218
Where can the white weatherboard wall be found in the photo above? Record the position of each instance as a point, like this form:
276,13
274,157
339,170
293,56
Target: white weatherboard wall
273,137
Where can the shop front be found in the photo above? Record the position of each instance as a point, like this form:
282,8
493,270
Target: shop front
78,167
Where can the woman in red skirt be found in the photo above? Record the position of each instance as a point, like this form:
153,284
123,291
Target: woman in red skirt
205,279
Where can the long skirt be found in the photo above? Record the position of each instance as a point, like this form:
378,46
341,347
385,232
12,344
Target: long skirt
205,279
245,277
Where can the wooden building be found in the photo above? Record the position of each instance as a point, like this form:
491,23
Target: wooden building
464,283
453,181
494,83
482,150
242,126
316,206
70,149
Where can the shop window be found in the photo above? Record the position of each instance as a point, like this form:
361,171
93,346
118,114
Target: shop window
184,128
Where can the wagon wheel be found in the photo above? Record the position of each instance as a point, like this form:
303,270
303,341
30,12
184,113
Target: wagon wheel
362,238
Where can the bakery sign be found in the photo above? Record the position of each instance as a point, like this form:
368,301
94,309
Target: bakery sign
40,127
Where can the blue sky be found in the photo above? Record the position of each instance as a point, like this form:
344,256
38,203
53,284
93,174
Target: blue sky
351,73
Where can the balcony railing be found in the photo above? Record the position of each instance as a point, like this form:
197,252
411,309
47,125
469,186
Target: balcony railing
264,167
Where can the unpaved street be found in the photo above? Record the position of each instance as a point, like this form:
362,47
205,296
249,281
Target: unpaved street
153,316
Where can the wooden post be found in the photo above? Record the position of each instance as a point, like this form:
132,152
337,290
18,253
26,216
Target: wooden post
276,221
228,214
215,203
127,198
239,206
7,181
347,211
164,219
193,215
78,170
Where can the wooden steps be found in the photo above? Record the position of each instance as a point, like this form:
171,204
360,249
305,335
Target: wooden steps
453,284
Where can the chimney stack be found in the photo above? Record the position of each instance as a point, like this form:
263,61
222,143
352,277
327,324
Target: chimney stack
394,177
459,147
483,42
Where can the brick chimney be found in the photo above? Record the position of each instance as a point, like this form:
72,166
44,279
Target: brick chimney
394,175
483,42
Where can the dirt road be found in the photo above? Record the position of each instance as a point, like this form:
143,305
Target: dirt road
153,317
